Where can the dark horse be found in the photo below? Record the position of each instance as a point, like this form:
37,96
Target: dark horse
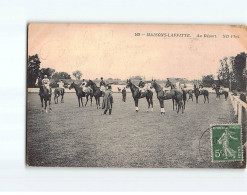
218,93
45,96
203,92
136,95
174,94
97,93
79,92
174,97
89,92
58,91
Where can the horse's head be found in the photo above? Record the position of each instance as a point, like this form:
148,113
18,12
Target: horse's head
128,83
89,83
153,84
72,85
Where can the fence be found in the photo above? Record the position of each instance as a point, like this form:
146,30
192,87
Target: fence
239,107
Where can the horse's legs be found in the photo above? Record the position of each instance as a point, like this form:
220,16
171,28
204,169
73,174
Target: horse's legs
86,99
79,101
46,106
136,104
62,99
178,103
184,104
96,100
173,103
148,103
151,101
91,97
99,102
197,99
204,99
41,99
162,109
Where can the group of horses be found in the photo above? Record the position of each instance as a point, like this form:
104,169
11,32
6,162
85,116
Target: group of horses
90,90
177,96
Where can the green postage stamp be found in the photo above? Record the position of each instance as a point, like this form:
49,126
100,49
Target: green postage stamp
226,140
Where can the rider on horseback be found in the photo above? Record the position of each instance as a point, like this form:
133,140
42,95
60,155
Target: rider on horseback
46,84
61,85
141,86
102,84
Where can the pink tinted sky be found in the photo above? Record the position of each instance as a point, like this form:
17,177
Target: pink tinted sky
112,50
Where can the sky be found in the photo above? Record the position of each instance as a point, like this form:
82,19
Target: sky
113,50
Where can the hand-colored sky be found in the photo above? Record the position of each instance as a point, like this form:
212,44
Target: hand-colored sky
112,50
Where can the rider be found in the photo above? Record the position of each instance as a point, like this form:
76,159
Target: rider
102,84
83,84
141,85
61,85
46,83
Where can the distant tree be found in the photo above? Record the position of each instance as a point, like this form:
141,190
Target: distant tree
224,72
61,75
47,71
33,65
208,80
77,74
238,67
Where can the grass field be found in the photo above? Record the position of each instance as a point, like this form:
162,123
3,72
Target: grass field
73,136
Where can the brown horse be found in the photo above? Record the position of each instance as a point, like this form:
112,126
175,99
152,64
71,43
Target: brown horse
218,93
57,92
89,93
45,96
79,92
136,95
174,94
97,93
183,92
203,92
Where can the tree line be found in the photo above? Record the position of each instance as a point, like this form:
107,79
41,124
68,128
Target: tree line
231,73
34,71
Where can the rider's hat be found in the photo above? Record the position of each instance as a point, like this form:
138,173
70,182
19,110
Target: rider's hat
45,76
101,78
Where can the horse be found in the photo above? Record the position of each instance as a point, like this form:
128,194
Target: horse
218,93
97,93
79,92
203,92
174,94
45,96
137,95
57,92
184,96
119,90
89,92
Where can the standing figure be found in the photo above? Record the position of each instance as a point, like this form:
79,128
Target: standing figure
124,94
107,100
190,95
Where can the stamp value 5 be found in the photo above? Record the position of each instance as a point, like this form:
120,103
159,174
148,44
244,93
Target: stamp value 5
226,142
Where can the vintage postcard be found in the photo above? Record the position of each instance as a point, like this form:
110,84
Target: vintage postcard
136,95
